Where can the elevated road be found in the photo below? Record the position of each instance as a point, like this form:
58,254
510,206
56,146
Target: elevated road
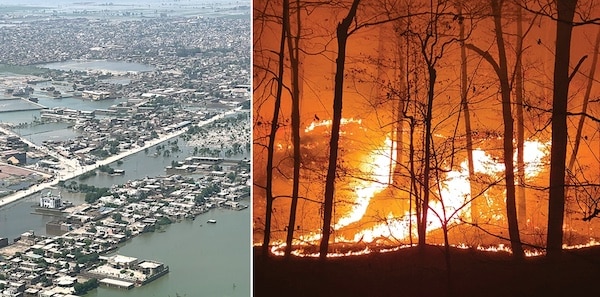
72,167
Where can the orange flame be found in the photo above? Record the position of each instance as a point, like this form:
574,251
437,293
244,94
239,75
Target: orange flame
378,166
327,123
455,191
455,194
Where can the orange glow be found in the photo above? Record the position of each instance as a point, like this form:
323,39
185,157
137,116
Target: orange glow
450,204
535,151
591,243
327,123
277,249
455,192
377,167
393,229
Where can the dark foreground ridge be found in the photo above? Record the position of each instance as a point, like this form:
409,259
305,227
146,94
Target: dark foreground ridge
409,273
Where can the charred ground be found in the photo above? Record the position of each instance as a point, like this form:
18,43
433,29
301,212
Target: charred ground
415,272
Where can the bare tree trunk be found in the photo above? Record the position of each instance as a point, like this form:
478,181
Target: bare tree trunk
413,182
467,115
511,211
586,99
422,227
273,134
448,260
399,114
501,69
521,199
558,152
293,47
342,38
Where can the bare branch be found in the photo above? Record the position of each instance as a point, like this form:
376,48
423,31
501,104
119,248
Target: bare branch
484,54
577,67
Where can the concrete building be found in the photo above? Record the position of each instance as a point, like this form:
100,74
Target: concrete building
50,201
96,95
151,267
122,262
15,157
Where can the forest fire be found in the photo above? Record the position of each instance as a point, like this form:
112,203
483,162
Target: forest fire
447,138
395,231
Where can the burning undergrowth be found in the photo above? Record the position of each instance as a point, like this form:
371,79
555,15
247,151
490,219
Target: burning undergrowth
375,212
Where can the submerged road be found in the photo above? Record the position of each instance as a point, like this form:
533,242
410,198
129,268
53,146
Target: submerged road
74,169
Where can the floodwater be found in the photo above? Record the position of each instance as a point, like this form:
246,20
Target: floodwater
16,105
48,131
204,259
99,66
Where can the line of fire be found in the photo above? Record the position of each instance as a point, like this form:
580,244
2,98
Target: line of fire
390,125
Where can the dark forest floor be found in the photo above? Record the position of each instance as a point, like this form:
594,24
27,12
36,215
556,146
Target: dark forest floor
409,272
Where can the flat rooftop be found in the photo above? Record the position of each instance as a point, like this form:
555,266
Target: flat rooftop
114,282
123,259
149,265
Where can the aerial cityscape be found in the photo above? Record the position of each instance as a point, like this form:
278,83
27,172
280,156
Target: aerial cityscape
125,148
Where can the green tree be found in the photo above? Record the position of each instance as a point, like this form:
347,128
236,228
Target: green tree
231,176
81,289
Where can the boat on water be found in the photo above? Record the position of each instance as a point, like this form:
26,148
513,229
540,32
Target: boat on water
211,221
118,172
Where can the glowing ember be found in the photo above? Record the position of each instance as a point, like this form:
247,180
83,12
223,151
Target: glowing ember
278,250
392,229
591,243
327,123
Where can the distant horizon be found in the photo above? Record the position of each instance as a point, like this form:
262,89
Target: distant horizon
114,2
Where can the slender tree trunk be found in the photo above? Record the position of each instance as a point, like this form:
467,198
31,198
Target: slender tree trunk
342,37
272,136
378,91
511,211
448,260
399,114
586,99
293,47
521,199
399,132
465,107
413,182
558,152
422,227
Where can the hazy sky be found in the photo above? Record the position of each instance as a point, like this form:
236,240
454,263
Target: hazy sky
77,2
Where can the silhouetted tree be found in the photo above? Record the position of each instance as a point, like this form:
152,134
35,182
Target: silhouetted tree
501,69
586,99
556,205
520,193
294,56
342,34
273,134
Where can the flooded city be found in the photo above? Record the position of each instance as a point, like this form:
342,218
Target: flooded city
164,135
